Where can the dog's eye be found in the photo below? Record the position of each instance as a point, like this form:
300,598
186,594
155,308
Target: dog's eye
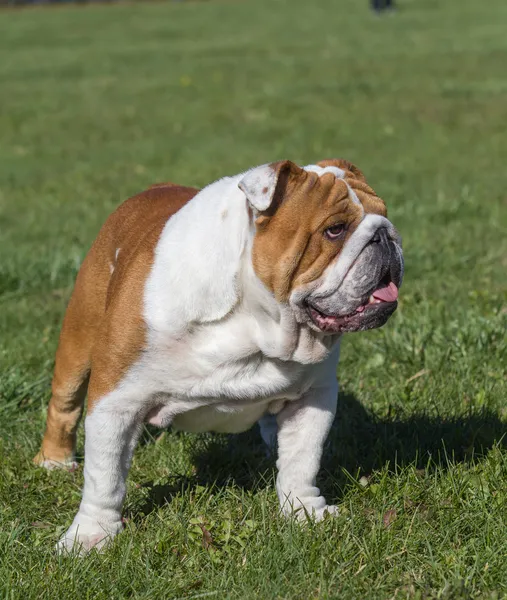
335,231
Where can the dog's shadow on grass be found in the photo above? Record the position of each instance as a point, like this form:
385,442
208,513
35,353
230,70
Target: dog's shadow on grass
358,444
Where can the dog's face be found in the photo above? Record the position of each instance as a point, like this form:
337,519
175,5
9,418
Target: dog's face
323,244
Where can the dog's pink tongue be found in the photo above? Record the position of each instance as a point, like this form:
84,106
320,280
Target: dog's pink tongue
387,294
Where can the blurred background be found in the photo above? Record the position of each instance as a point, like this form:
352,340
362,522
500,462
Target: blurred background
100,100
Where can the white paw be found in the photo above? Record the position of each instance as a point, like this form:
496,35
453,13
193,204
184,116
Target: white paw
303,513
81,538
320,513
51,465
314,508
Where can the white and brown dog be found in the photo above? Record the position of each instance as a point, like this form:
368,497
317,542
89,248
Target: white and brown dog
211,310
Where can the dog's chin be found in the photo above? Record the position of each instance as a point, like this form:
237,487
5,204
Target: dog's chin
369,316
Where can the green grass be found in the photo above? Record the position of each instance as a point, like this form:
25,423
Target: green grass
97,102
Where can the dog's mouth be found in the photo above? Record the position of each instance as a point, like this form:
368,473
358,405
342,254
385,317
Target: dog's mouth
382,302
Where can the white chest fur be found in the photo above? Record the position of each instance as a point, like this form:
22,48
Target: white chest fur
218,376
220,348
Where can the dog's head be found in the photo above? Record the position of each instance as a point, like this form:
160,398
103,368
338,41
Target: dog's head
323,244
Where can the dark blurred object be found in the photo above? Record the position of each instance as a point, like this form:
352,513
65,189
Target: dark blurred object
380,5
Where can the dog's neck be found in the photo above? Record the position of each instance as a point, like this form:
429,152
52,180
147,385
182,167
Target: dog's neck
278,333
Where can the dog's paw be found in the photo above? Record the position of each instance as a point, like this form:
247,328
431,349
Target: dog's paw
318,514
81,538
306,513
313,507
50,464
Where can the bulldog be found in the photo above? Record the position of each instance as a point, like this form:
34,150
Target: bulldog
215,309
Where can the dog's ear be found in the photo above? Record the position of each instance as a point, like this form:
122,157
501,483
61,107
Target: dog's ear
350,171
265,186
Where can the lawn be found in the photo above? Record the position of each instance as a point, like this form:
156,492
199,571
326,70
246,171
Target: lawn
96,103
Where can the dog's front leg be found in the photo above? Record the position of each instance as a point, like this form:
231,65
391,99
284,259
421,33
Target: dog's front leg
112,430
303,427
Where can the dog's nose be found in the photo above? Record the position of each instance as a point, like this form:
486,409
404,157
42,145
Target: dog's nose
380,236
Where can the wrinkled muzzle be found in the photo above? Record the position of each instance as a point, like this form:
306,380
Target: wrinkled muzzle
359,289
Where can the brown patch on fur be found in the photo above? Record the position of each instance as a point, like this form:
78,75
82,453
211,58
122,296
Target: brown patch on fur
103,330
351,171
290,247
357,181
372,204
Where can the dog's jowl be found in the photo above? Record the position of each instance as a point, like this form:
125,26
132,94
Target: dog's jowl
212,310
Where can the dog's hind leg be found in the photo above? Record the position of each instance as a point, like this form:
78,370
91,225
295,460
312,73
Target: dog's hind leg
83,320
70,383
72,370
